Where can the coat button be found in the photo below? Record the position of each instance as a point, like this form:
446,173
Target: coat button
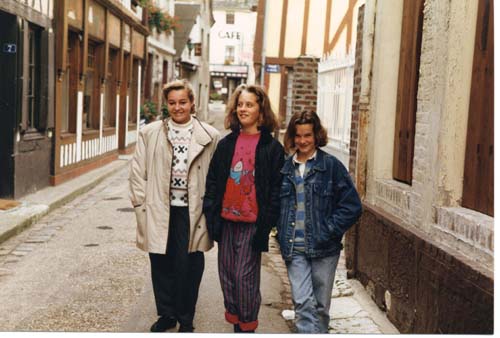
199,226
292,224
290,240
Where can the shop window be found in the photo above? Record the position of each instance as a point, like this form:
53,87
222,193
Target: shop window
406,106
32,119
70,83
134,92
229,55
109,119
92,97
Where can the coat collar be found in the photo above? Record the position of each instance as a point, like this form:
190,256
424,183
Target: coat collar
200,134
318,163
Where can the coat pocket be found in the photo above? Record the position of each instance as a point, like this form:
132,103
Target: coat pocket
140,215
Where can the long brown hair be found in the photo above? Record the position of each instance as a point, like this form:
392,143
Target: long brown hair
304,117
267,118
180,85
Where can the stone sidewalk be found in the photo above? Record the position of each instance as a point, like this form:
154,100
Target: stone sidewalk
40,203
352,311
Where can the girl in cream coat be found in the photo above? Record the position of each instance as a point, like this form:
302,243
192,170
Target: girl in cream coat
175,235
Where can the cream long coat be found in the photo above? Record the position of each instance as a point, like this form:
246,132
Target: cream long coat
149,181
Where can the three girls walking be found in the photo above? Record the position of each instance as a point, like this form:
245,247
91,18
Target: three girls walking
244,187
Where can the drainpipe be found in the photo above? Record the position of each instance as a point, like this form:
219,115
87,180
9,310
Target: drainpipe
264,41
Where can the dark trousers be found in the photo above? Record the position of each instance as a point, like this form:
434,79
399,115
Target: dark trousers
239,273
177,275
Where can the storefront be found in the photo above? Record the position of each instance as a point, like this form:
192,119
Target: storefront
100,57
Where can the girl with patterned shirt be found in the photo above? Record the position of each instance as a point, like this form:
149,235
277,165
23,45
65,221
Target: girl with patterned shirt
241,201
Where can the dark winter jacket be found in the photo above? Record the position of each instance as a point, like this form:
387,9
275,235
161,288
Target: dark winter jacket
332,206
269,158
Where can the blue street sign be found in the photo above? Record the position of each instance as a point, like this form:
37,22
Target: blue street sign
9,48
272,68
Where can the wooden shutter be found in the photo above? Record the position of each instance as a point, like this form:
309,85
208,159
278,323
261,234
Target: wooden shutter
406,106
478,172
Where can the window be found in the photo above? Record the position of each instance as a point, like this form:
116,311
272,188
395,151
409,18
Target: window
70,82
134,92
406,106
165,72
479,153
33,79
229,55
109,119
230,18
92,95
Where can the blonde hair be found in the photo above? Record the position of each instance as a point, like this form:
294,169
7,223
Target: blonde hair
182,84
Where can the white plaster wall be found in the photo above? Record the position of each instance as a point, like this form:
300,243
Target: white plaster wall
294,26
383,93
241,36
456,103
316,28
274,10
432,202
274,91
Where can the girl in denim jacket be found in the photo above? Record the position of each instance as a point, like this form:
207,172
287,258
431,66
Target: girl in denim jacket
319,203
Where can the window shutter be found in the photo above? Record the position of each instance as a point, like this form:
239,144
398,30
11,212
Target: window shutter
44,83
478,171
406,106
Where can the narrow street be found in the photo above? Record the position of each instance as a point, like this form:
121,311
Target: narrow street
77,269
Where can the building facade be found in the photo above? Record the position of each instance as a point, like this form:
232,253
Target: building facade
192,45
99,64
288,30
422,157
26,96
233,32
160,66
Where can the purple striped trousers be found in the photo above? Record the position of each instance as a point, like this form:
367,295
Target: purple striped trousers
239,273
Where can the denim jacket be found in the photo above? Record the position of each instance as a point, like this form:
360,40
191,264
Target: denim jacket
332,206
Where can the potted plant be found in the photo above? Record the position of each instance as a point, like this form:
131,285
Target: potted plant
149,111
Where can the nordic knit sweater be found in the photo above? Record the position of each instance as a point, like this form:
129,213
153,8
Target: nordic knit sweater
179,136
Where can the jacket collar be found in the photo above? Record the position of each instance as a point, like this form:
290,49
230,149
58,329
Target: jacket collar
318,163
200,134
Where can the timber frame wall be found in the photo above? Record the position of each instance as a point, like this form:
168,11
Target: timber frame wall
100,58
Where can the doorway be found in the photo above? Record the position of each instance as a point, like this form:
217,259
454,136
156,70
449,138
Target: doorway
9,51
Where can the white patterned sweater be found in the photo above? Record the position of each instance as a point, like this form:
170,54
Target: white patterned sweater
179,136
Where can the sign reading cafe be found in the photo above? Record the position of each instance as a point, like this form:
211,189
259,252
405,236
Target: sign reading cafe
230,35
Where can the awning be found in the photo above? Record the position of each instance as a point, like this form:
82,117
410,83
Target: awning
186,12
229,70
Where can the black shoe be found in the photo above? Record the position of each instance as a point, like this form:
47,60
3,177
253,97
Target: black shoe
186,328
163,324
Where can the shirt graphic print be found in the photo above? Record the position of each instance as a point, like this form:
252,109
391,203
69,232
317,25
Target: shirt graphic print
240,202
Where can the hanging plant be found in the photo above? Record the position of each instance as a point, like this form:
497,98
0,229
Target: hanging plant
162,20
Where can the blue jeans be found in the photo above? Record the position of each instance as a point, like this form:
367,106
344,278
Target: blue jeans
311,281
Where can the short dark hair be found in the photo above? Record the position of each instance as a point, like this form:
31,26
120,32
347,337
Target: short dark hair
305,117
267,117
180,85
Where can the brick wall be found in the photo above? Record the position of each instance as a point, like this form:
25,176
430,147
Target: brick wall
356,92
351,235
305,84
